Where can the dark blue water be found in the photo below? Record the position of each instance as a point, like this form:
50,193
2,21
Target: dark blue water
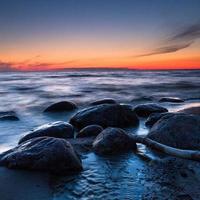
119,177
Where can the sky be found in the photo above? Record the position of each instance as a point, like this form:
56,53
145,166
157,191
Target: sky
135,34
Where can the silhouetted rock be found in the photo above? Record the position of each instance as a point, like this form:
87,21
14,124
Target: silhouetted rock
171,99
9,118
154,117
144,110
113,141
61,107
49,154
91,130
180,131
56,129
195,110
105,115
104,101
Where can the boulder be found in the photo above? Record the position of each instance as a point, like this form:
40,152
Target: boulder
113,141
179,131
171,99
91,130
56,129
195,110
105,115
154,117
144,110
103,101
48,154
61,107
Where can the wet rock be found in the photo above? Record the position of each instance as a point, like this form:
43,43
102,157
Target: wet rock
91,130
112,141
144,110
49,154
195,110
179,131
171,99
154,117
61,107
56,129
104,101
105,115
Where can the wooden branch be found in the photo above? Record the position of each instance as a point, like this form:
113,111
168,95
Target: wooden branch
186,154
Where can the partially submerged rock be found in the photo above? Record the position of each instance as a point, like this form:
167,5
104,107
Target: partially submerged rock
171,99
144,110
113,141
105,115
154,117
104,101
56,129
61,107
49,154
91,130
8,115
179,131
195,110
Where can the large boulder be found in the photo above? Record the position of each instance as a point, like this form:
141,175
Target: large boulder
61,107
48,154
91,130
105,115
56,129
179,131
154,117
113,141
103,101
144,110
171,99
195,110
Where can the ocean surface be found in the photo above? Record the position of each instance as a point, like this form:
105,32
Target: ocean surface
29,93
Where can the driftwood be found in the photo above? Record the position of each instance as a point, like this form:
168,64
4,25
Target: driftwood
186,154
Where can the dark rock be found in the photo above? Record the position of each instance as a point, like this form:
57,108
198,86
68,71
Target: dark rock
56,129
9,117
49,154
179,131
91,130
144,110
104,101
105,115
112,141
154,117
195,110
61,107
2,113
171,99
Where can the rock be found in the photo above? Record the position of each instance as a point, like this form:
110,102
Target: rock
61,107
104,101
191,110
91,130
56,129
105,115
9,117
113,141
144,110
171,99
49,154
154,117
179,131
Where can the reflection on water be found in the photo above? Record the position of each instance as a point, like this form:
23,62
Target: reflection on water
103,178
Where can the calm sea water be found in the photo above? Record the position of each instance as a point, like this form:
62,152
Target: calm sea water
30,93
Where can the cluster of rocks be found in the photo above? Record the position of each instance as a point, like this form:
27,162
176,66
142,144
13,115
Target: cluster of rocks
54,147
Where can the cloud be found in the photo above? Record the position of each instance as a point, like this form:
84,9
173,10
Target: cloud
6,67
167,49
181,40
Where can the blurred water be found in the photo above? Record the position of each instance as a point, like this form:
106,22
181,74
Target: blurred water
30,93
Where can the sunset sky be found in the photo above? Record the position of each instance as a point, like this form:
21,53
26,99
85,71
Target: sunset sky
138,34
